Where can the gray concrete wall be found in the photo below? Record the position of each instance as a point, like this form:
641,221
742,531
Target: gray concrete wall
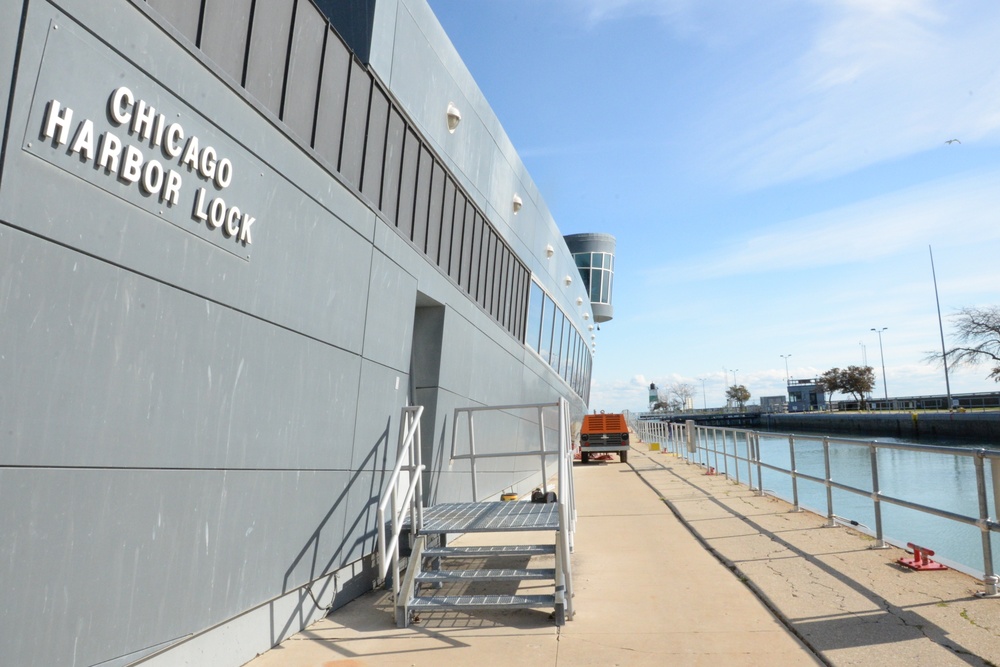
194,429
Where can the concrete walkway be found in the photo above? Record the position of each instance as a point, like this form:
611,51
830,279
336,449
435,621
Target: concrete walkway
676,567
852,604
647,593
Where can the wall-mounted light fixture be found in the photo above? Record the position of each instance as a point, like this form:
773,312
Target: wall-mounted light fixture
516,203
568,280
579,300
549,250
590,327
454,117
586,316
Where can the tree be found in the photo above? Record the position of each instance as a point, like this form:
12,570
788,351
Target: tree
854,380
683,393
739,394
977,332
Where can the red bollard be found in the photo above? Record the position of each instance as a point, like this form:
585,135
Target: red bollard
711,471
921,559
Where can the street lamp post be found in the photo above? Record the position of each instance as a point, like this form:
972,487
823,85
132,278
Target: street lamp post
785,357
704,399
944,352
882,356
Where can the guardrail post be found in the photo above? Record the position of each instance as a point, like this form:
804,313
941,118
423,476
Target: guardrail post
715,448
794,474
989,576
736,455
692,444
725,452
541,446
757,456
830,522
746,438
879,536
472,459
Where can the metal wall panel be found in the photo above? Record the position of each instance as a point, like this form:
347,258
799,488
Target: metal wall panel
447,226
408,184
378,118
496,275
224,34
458,232
181,14
393,165
485,290
269,39
470,251
434,207
352,152
302,87
506,297
332,100
422,198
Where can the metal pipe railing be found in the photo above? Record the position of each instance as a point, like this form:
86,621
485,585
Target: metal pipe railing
566,493
406,496
984,522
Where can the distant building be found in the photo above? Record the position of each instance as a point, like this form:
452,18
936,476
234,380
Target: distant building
773,404
806,395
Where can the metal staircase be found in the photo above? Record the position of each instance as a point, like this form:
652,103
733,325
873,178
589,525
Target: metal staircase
480,577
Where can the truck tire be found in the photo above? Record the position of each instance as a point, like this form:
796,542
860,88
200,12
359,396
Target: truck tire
584,457
624,457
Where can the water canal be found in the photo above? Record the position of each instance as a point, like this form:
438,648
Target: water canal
937,478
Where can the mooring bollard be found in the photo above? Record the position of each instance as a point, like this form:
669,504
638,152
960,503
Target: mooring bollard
921,559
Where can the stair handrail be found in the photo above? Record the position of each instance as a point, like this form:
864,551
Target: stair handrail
473,456
406,497
566,495
567,513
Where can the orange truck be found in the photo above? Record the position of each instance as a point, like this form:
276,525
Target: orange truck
603,433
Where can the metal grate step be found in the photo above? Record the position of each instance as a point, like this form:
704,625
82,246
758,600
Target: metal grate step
490,517
510,574
490,551
483,602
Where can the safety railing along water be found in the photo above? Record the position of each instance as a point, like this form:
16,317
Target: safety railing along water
719,451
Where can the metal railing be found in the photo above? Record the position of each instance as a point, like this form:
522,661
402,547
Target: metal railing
565,492
720,448
405,492
563,451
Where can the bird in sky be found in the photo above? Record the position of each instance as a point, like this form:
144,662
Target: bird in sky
953,141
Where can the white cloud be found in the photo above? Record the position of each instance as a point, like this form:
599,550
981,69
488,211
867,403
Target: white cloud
948,212
876,81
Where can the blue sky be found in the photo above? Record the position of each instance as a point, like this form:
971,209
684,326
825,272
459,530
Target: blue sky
774,172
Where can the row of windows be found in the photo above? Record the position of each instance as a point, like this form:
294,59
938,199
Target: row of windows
598,271
288,57
552,335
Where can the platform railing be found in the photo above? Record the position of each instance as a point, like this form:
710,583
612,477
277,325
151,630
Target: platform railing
404,492
562,451
740,454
